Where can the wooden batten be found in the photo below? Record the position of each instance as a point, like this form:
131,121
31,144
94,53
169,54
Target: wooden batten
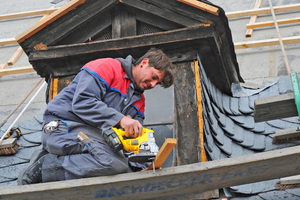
275,107
286,135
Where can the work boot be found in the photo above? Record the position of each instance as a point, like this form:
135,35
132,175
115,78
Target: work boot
33,172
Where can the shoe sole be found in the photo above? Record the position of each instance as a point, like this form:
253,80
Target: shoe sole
34,157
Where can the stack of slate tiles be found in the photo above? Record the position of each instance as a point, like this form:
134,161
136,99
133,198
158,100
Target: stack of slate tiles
11,165
230,131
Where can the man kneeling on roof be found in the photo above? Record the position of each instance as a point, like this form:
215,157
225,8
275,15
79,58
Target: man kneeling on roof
106,92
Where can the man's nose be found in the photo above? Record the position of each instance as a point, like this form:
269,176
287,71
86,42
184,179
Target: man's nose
153,83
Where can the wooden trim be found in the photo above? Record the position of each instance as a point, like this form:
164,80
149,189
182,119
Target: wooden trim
286,135
48,20
275,107
260,11
16,70
253,18
271,23
15,56
163,153
290,180
28,13
168,182
269,42
8,41
202,6
199,106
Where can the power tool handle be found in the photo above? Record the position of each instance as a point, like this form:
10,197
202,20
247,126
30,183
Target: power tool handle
113,139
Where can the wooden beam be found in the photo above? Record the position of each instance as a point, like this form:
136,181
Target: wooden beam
268,42
15,56
260,11
168,182
8,41
3,66
48,20
286,135
275,107
16,70
28,13
290,180
163,153
202,6
253,18
271,23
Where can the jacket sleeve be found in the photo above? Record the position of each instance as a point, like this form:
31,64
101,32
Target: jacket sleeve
87,103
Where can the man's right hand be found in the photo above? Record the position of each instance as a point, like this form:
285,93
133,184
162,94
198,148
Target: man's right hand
131,126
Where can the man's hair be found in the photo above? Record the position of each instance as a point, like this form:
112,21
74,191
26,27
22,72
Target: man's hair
159,60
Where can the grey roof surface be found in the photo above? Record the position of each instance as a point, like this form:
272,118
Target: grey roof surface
230,131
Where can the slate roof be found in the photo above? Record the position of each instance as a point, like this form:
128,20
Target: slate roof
11,165
230,131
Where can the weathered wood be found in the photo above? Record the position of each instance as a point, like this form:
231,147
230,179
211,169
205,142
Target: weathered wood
202,6
123,22
275,107
167,14
271,23
163,153
290,7
186,120
52,17
16,70
181,44
27,14
168,182
268,42
8,41
253,18
15,56
287,135
290,180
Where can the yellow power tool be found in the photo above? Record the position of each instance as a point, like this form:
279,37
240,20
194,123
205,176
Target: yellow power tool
144,146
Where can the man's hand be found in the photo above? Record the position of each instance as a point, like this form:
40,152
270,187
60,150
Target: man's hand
131,126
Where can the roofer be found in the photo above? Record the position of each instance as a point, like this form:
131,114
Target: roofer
106,92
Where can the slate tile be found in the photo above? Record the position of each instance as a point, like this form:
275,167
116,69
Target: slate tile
39,118
226,147
10,160
251,101
248,140
247,151
248,122
11,182
220,116
294,191
237,150
34,137
234,106
244,106
280,124
274,90
259,142
246,188
294,120
11,172
219,100
226,104
238,134
284,85
278,195
237,118
217,131
32,124
259,127
25,153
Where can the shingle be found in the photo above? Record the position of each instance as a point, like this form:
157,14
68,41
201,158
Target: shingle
248,140
32,124
278,195
10,160
244,106
226,147
251,101
226,104
238,134
234,106
280,124
34,137
220,116
229,126
218,134
259,127
238,119
237,150
259,142
284,85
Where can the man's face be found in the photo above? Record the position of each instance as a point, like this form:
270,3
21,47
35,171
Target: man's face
147,77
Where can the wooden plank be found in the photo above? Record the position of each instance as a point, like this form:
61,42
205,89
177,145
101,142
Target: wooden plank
16,70
51,18
164,13
275,107
3,66
28,13
15,56
8,41
168,182
271,23
202,6
260,11
123,22
268,42
163,153
253,18
286,135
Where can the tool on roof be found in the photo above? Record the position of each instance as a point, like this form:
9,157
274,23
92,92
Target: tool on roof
144,146
10,146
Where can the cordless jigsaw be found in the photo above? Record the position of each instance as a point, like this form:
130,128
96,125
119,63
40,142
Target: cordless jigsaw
144,146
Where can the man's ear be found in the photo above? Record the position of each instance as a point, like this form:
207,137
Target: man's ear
145,61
